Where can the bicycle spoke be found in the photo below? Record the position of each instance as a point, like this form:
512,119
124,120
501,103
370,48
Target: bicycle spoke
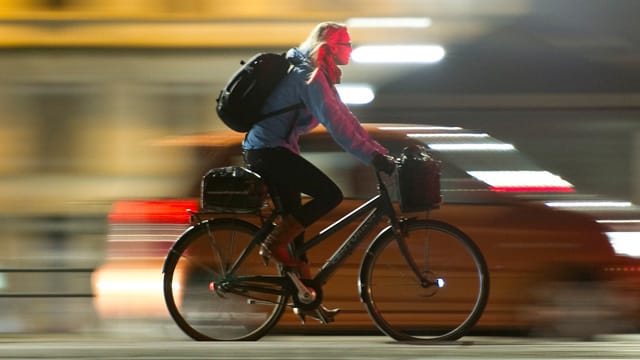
215,250
196,264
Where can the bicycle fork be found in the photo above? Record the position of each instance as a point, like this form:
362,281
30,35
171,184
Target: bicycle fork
400,232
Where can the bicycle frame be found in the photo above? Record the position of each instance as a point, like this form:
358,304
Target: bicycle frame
375,213
377,207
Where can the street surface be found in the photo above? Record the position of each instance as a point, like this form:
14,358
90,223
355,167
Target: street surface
313,347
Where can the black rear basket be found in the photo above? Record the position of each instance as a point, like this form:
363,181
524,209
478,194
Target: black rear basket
232,189
418,180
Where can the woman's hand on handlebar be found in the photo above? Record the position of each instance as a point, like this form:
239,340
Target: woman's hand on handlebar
383,163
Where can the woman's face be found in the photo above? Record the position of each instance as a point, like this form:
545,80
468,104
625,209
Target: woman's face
340,46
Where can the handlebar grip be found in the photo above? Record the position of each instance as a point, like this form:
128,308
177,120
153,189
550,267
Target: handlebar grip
384,163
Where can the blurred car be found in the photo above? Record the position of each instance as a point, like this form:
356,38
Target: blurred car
551,269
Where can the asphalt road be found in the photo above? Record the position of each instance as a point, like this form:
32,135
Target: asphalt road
315,347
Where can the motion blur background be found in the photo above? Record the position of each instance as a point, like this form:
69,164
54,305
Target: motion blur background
87,86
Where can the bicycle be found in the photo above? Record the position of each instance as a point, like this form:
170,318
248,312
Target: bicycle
216,286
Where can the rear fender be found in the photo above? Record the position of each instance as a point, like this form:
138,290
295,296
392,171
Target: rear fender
202,226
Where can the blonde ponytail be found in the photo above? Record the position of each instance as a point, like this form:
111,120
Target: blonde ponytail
316,48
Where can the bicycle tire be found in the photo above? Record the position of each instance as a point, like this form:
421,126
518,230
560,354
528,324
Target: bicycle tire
407,311
196,265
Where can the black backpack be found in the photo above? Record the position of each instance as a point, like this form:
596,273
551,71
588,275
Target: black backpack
241,100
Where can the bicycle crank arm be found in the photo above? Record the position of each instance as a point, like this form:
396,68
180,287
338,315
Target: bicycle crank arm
305,295
260,302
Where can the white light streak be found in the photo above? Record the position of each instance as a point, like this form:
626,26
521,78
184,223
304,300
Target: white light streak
389,22
355,94
625,243
419,128
524,178
605,221
472,147
450,135
404,54
588,204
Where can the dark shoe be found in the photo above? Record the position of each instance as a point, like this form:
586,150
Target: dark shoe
275,246
321,314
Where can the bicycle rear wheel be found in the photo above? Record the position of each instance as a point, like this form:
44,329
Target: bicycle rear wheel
408,310
195,273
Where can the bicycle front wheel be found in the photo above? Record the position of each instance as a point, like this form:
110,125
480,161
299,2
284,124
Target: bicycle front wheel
433,289
199,287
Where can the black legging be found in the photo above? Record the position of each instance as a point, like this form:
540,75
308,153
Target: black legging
290,175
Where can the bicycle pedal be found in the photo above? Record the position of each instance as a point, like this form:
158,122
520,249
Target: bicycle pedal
322,314
300,314
327,315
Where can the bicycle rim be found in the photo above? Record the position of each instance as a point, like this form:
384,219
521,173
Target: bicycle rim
195,270
407,311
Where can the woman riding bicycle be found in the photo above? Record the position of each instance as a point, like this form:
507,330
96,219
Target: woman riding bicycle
271,146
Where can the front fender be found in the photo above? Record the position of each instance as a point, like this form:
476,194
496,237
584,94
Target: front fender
367,259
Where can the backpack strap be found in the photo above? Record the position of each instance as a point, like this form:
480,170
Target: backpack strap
299,105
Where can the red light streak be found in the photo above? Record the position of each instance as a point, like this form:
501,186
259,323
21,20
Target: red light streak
153,211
